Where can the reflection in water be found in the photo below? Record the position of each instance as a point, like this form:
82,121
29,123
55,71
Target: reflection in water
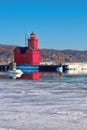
31,76
37,75
3,75
42,75
51,75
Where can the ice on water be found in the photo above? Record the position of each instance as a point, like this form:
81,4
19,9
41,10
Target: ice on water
54,104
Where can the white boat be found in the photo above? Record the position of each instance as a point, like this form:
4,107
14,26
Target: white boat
59,69
15,71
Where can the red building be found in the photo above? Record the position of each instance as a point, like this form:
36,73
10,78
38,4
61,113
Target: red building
28,55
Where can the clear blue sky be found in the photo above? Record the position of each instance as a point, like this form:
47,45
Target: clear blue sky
58,24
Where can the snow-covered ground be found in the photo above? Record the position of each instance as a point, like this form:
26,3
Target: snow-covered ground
49,104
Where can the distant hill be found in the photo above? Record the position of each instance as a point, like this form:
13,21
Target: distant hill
6,53
74,56
64,55
58,56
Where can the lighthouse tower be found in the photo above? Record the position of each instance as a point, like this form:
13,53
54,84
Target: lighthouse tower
33,42
33,46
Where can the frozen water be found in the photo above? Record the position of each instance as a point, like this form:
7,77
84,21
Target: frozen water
47,104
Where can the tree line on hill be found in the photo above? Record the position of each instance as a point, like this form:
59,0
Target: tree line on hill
58,56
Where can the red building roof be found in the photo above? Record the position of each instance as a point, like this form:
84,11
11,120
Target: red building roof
22,49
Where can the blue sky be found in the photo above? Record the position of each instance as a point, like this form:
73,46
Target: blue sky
58,24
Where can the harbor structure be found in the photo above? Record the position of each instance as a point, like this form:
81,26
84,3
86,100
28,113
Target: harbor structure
29,55
75,66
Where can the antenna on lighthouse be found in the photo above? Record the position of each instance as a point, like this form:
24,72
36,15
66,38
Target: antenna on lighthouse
25,39
26,33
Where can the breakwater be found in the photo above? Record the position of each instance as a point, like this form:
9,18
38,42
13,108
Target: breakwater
41,68
4,67
48,68
45,68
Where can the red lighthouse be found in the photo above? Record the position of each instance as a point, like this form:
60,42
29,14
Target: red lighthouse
28,55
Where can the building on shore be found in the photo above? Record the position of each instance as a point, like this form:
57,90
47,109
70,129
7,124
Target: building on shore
29,55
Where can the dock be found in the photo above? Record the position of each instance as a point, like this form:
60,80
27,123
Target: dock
41,68
49,68
4,67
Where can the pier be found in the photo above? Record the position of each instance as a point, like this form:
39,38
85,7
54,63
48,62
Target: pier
48,68
41,68
4,67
